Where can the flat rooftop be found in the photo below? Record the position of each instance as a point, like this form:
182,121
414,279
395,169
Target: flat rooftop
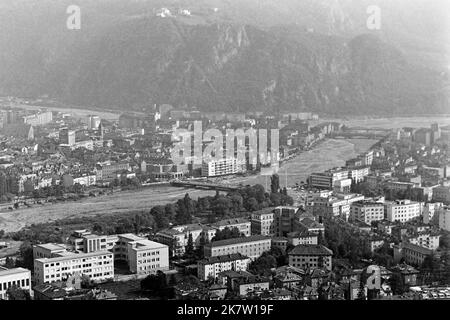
8,272
74,256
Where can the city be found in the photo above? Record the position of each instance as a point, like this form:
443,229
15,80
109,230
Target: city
385,210
220,158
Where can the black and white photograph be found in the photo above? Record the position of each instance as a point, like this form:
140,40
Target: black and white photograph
224,158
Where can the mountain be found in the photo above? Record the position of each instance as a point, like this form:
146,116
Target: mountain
235,58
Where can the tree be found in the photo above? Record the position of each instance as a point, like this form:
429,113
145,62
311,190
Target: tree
190,245
263,265
16,293
227,233
160,217
25,259
156,285
396,283
10,263
2,233
274,183
252,205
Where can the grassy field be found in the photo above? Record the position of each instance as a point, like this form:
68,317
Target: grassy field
122,202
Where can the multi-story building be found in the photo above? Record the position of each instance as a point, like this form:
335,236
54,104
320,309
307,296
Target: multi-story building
284,220
441,194
262,223
18,277
367,211
327,180
425,239
302,237
357,174
211,267
252,247
221,167
110,171
402,210
177,237
444,218
98,266
414,254
147,257
93,122
67,137
243,225
310,256
39,119
430,211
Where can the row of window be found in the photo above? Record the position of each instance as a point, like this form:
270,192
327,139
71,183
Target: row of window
18,283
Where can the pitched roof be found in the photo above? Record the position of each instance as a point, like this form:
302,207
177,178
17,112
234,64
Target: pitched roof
311,250
236,241
224,258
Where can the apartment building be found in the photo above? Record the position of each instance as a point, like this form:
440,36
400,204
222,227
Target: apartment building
444,218
98,266
18,277
414,254
251,247
284,220
425,239
367,211
441,194
357,174
221,167
310,256
262,223
177,237
302,237
211,267
147,257
243,225
402,210
430,212
327,180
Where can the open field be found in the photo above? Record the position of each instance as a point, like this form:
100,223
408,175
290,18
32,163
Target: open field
121,202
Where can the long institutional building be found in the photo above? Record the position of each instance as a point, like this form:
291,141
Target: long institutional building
17,277
252,247
94,256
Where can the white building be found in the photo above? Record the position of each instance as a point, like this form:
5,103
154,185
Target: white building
211,267
18,277
367,211
262,223
430,211
221,167
98,266
402,210
147,257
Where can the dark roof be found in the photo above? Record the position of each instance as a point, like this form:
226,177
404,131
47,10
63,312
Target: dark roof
225,258
50,291
236,241
311,250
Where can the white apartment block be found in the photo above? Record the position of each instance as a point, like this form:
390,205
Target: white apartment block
366,211
221,167
18,277
252,247
444,218
402,210
98,266
212,266
357,174
147,257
